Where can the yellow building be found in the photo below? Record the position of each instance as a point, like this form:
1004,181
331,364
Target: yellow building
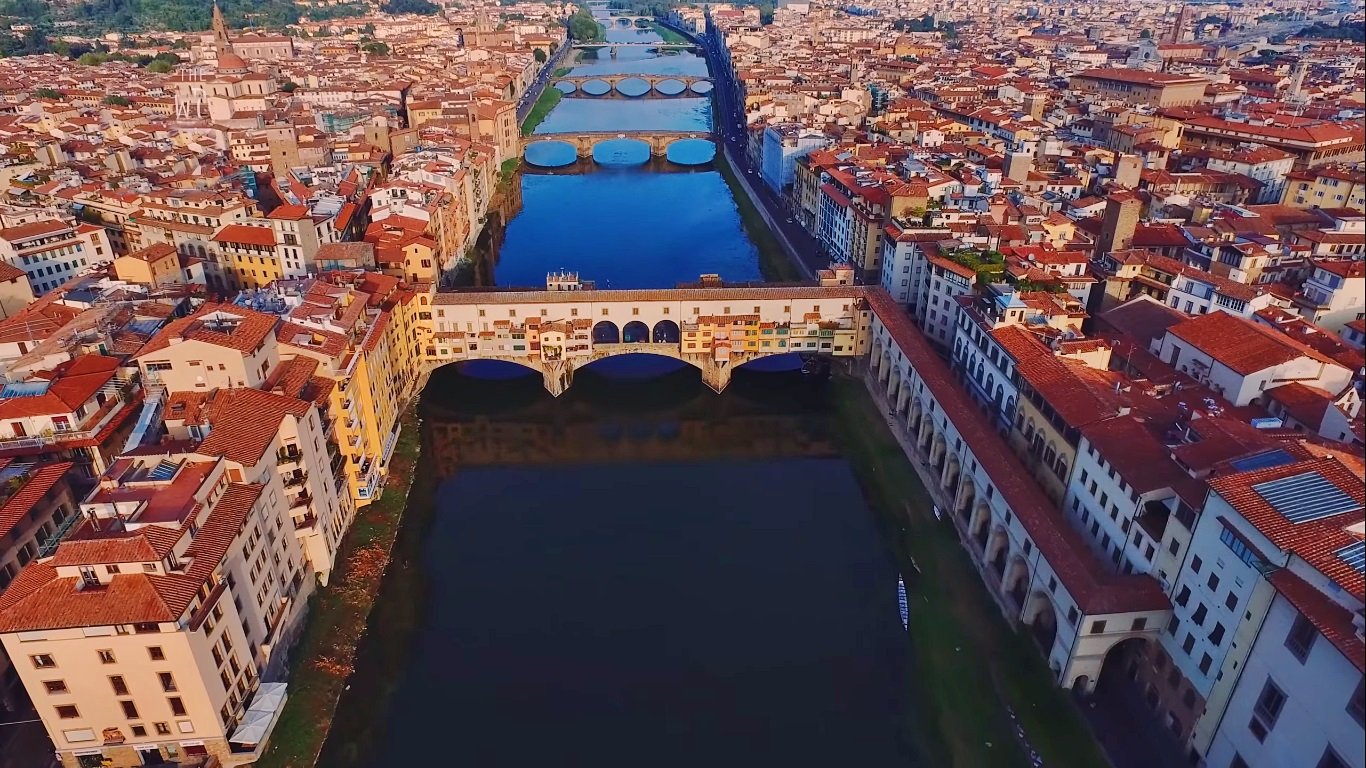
156,265
247,256
1327,186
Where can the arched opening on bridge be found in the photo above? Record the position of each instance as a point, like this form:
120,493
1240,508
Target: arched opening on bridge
621,152
566,87
666,332
702,87
1042,618
967,496
637,367
691,152
949,479
550,154
623,22
981,525
633,86
670,87
606,332
635,332
596,87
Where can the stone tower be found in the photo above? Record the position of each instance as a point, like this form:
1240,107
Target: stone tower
221,43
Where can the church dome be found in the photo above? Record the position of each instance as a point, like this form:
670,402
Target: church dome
231,62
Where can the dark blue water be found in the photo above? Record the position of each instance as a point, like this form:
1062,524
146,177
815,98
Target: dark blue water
676,614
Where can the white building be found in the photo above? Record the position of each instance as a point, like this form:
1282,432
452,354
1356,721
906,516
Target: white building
783,144
1240,359
1266,601
52,251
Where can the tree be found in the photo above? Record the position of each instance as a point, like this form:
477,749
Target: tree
419,7
48,93
584,28
160,66
115,100
1146,34
376,47
539,55
289,87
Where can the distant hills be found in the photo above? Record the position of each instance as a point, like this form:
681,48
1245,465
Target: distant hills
170,15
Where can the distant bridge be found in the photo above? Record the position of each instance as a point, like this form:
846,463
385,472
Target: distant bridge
614,82
714,329
677,46
584,142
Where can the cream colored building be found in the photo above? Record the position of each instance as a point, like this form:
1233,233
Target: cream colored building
146,634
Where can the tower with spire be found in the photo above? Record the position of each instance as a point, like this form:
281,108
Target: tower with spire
221,43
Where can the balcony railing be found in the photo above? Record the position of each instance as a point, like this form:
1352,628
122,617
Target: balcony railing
305,522
288,457
296,480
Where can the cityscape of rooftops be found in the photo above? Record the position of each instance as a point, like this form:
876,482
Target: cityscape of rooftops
908,383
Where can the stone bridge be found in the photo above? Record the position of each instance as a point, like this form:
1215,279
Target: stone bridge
675,46
653,81
584,142
715,330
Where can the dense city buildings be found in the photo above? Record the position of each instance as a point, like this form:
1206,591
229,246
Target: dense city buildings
1104,268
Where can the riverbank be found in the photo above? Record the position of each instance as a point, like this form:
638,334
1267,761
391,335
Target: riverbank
968,664
548,100
774,262
667,35
340,613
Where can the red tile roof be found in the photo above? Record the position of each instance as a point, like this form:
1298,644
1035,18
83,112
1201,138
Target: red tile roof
1314,541
245,422
1331,619
252,330
36,485
1243,346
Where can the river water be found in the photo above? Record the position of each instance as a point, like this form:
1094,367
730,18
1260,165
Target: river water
639,572
620,219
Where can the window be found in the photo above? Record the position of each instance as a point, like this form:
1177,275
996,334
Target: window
1183,596
1301,638
1356,705
55,686
162,729
130,710
1172,625
1231,602
1140,623
1267,710
167,682
106,657
1189,644
1097,627
1199,616
1205,662
68,712
1216,636
177,706
120,687
1196,562
138,730
1213,582
1330,759
156,653
43,661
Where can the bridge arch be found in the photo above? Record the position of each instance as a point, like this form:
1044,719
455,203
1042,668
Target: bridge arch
606,332
635,332
666,332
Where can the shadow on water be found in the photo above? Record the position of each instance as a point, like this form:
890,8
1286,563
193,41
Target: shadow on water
775,605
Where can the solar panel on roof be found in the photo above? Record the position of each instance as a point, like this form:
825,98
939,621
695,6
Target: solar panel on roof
1272,458
164,470
24,389
1354,555
1305,497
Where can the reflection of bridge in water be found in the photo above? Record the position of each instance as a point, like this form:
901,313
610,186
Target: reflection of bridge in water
663,46
687,84
584,166
715,329
585,141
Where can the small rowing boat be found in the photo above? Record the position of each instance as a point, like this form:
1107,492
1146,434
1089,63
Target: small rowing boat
901,602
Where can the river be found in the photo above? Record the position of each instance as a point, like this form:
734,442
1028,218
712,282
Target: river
639,572
620,219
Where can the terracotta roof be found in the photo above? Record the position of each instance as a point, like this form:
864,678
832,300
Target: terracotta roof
72,384
246,234
1314,541
245,422
1330,618
37,483
38,599
1243,346
251,331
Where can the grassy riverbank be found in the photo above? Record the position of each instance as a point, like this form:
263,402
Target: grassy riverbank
774,263
550,98
666,34
968,664
339,614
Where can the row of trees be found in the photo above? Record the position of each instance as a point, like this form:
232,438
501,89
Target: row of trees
584,28
186,15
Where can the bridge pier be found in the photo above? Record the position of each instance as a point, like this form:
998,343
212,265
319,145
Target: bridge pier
558,374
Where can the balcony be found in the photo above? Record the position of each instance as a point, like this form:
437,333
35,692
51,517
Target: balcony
296,480
300,502
306,523
289,456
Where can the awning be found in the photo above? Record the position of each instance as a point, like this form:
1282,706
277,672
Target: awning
260,717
